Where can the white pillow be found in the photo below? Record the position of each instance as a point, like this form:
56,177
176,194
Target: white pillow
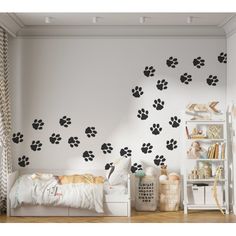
117,172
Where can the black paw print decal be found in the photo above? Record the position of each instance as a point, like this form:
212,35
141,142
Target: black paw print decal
17,137
108,165
55,138
88,156
161,84
146,148
159,160
73,142
212,80
186,78
149,71
135,167
199,62
171,144
65,121
106,148
125,152
174,121
222,58
90,132
156,129
23,161
172,62
142,114
36,145
38,124
158,104
137,92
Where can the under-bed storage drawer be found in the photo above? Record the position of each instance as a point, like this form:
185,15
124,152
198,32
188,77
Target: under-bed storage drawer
30,210
110,209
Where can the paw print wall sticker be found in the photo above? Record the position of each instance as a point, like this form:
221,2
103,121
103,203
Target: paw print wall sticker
125,152
222,58
149,71
38,124
171,144
36,145
65,121
17,137
136,167
159,160
55,138
172,62
175,122
161,84
212,80
198,62
142,114
106,148
156,129
73,141
137,92
23,161
186,78
108,165
88,156
146,148
158,104
90,132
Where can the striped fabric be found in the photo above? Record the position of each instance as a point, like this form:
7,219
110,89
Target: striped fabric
5,121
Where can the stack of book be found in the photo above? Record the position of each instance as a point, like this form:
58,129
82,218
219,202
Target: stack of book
216,151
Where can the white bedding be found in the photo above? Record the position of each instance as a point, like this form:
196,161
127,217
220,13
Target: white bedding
114,189
48,192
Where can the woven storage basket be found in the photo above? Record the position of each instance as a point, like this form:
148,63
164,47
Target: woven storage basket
146,193
169,195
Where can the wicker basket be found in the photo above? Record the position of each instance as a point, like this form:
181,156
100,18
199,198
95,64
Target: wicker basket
146,193
169,195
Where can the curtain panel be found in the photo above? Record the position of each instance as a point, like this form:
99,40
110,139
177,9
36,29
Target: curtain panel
5,121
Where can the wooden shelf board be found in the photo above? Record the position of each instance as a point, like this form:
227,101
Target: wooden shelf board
204,180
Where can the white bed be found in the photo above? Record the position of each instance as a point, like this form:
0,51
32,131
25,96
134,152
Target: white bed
117,200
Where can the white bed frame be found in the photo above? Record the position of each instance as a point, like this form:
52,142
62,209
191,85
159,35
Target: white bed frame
114,204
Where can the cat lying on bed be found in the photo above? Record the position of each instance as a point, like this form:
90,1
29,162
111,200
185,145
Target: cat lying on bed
71,179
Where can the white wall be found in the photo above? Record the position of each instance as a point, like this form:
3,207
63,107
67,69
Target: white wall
90,81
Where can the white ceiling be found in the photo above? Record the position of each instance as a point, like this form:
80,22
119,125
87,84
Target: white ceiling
122,19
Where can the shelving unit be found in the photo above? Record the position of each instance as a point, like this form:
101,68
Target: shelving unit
188,163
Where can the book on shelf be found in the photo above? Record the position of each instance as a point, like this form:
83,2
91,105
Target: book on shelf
216,151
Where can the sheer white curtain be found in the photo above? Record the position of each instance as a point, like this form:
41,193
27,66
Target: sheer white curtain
5,121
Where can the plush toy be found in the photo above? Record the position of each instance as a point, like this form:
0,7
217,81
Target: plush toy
194,151
140,173
164,170
173,176
163,178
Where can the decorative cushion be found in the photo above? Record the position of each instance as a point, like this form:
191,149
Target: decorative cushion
117,172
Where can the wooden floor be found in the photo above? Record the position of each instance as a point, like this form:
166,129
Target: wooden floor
137,217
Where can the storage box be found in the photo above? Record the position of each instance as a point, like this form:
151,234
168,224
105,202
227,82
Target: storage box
196,195
209,199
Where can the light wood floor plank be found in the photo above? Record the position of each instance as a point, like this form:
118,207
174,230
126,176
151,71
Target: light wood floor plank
137,217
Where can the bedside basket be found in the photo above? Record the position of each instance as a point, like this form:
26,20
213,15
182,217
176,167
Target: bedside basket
146,193
169,195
